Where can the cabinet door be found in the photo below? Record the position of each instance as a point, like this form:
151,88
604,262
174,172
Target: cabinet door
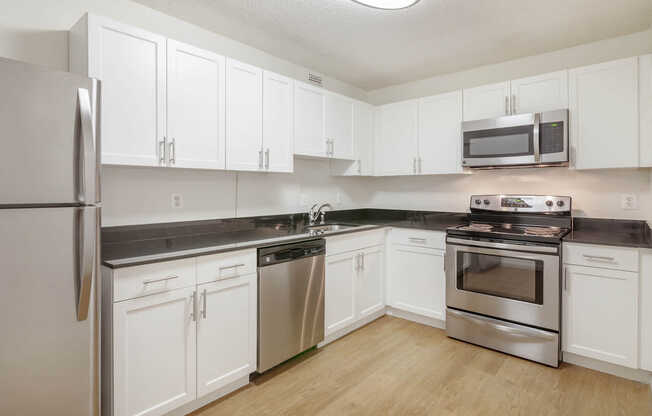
600,315
370,293
244,116
396,143
440,133
487,101
196,112
226,332
646,311
131,65
278,132
341,270
417,281
645,100
363,136
540,93
339,125
309,103
154,353
604,115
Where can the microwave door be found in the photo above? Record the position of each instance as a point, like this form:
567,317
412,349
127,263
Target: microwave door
507,140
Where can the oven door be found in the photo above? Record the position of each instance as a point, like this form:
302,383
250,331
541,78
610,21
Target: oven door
504,280
503,141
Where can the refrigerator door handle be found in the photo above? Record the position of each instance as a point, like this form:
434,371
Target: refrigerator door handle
87,249
87,161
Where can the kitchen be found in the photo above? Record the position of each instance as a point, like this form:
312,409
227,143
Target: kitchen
195,186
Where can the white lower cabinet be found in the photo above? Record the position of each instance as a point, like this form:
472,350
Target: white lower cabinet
600,314
226,332
370,288
646,312
417,281
340,283
154,353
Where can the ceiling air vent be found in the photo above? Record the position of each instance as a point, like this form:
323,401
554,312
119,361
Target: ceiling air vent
315,79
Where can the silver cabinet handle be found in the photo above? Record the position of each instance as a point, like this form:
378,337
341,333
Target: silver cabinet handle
362,261
359,167
420,165
193,313
260,159
328,147
173,151
357,262
267,159
233,266
203,311
88,220
513,103
87,159
161,151
164,279
332,147
417,240
506,105
565,279
598,258
414,165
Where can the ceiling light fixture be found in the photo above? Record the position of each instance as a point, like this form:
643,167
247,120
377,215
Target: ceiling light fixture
387,4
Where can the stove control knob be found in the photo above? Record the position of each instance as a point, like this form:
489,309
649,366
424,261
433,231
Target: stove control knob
486,202
560,203
478,202
549,203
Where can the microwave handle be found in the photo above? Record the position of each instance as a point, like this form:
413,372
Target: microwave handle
535,134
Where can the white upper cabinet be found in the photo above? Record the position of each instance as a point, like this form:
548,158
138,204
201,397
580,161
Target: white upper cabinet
196,107
487,101
540,93
396,150
363,140
645,100
440,134
309,107
604,115
338,128
130,62
278,130
244,116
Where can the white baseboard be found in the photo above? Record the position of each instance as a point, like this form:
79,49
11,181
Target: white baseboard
641,376
341,332
211,397
425,320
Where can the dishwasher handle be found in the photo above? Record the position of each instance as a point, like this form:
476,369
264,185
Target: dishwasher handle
268,256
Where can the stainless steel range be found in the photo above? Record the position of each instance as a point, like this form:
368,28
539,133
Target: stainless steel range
503,274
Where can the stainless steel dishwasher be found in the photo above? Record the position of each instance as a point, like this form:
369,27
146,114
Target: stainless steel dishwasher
290,300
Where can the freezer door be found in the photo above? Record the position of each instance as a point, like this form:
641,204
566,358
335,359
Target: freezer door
49,312
48,152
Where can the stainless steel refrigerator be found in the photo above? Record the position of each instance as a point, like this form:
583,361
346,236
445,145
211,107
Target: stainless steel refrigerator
49,242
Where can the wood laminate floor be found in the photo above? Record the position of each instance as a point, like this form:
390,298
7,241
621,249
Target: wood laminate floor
397,367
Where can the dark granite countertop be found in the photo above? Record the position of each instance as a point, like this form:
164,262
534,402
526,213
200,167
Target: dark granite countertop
624,233
141,244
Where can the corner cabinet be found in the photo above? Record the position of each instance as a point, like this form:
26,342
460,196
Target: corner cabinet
131,64
604,118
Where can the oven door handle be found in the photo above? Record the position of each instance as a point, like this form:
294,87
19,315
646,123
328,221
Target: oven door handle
505,246
530,333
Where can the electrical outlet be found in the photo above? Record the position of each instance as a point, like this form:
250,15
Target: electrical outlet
629,202
177,200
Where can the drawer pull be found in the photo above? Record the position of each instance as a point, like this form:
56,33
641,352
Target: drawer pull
417,240
598,258
234,266
164,279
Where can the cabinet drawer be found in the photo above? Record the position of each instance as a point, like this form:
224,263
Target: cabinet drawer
606,257
354,241
419,238
137,281
226,265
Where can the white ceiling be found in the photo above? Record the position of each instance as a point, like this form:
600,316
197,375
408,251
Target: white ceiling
372,48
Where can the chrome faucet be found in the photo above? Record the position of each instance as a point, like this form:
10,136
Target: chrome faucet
317,211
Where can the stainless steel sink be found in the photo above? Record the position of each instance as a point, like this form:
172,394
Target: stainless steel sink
327,228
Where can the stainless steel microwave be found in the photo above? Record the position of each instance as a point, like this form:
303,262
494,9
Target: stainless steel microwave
533,139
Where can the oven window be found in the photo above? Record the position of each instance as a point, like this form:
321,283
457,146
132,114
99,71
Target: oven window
505,277
505,142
